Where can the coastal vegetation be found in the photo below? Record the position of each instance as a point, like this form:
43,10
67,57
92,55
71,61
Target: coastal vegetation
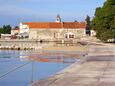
88,27
104,21
5,29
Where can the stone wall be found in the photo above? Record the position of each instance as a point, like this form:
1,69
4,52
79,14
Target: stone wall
47,34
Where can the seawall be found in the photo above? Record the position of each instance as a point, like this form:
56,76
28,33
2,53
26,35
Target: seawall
96,69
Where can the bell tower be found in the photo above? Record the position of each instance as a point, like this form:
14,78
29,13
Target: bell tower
58,18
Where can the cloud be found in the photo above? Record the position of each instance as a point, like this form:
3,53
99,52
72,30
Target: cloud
22,10
3,2
13,10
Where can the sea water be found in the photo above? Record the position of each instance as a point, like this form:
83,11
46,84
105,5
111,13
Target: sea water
21,68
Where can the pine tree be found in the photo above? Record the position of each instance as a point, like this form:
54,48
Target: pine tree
88,27
104,21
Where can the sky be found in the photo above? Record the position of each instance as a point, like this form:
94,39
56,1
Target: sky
15,11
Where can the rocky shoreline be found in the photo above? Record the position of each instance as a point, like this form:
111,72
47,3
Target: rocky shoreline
36,45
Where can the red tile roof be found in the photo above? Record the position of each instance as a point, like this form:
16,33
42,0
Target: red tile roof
55,25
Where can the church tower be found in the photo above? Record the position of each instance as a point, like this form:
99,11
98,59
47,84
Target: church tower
58,18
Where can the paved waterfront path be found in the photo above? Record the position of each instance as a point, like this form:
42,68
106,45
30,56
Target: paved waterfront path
96,69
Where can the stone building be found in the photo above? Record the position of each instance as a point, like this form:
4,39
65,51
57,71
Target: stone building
53,30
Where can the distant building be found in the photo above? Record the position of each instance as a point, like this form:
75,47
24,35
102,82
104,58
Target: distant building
15,31
93,33
6,36
53,30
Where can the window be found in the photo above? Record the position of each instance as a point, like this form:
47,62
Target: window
71,36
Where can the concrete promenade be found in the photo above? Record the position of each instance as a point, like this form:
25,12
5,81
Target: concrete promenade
96,69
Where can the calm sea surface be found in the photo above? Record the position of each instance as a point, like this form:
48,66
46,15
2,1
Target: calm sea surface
20,68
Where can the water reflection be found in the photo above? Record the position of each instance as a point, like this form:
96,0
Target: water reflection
52,57
24,67
42,56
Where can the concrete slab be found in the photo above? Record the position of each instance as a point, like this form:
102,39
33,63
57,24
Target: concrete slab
92,71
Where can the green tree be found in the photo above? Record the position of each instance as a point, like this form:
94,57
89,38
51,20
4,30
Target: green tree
104,21
88,20
6,29
88,27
